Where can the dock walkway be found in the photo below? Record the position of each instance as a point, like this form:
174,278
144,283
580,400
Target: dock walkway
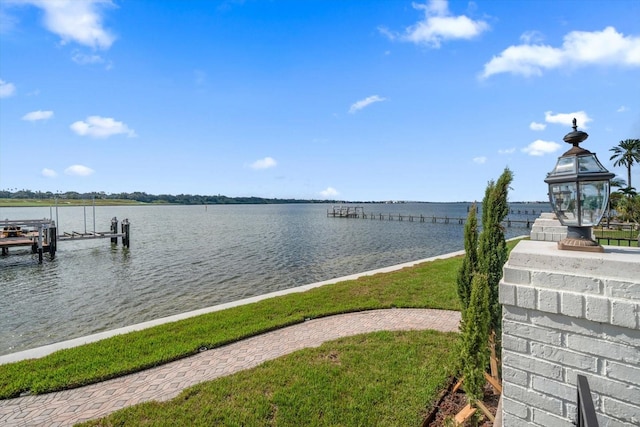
359,213
167,381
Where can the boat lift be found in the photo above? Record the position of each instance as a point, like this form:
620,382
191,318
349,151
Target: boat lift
41,235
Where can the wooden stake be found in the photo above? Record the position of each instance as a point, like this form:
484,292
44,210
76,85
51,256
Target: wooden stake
457,385
464,414
494,383
493,359
484,410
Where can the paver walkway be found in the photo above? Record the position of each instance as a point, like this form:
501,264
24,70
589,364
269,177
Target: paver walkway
167,381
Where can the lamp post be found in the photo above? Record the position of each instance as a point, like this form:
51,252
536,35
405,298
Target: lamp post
579,193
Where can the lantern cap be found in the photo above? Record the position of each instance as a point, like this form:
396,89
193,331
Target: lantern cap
575,138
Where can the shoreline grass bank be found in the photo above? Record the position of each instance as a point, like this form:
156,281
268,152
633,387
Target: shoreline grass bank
427,285
45,350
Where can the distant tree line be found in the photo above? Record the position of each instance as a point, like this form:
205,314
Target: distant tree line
142,197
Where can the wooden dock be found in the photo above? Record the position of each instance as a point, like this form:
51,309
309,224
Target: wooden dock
342,211
41,235
358,212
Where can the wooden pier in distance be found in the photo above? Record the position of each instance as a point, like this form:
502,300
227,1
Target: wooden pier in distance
358,212
346,212
41,235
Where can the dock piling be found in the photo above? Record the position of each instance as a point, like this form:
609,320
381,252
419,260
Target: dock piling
114,230
40,239
125,233
53,239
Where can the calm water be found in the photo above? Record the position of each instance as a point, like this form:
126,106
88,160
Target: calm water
187,257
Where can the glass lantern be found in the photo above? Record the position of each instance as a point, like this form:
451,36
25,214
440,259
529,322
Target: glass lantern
579,193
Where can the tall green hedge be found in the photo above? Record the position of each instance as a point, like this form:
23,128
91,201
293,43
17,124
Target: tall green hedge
492,246
470,260
477,283
475,336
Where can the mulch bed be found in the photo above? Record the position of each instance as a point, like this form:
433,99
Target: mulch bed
452,402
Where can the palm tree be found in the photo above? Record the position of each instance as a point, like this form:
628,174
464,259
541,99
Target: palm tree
626,153
615,196
617,183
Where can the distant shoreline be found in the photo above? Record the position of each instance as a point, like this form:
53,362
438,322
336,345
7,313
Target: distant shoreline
126,202
47,202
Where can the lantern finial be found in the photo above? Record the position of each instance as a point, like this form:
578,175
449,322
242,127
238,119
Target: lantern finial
575,138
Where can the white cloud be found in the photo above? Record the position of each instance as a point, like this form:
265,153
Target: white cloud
101,127
507,151
524,59
84,59
6,89
566,119
77,21
529,37
537,126
579,48
438,25
329,192
49,173
480,160
92,59
540,147
78,170
37,115
622,109
365,102
265,163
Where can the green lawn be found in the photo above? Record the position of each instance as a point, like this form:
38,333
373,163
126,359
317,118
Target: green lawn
378,379
617,237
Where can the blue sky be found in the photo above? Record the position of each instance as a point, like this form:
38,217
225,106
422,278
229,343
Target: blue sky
354,100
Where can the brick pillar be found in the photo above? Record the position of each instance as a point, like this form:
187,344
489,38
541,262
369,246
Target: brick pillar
547,227
567,313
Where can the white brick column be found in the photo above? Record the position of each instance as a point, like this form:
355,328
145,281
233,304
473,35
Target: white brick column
567,313
547,227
